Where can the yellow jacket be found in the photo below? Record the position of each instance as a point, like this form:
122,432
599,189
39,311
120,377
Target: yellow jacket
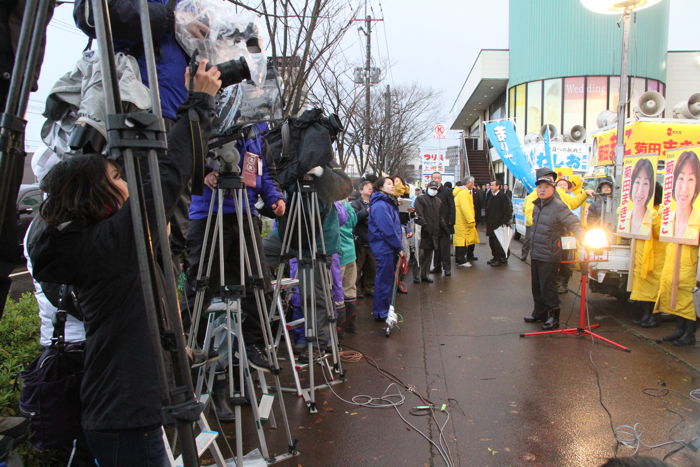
649,256
572,202
465,222
684,297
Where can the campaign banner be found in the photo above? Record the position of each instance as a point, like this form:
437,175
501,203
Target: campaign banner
562,154
502,135
643,137
637,198
680,210
434,162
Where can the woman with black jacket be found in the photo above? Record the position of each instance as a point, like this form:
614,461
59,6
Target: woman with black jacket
85,238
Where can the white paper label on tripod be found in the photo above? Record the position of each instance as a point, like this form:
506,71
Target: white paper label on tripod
250,169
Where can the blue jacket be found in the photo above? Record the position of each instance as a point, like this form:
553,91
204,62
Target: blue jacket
171,60
265,185
384,225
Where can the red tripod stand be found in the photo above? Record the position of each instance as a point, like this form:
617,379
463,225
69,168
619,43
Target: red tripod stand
582,329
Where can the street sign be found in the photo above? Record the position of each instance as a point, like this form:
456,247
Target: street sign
439,131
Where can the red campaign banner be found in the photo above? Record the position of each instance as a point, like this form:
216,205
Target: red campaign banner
667,199
626,183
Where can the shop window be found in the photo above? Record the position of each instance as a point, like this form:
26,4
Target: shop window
614,93
552,102
534,106
637,88
652,85
574,91
596,100
511,102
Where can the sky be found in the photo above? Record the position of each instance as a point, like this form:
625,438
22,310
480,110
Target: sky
432,43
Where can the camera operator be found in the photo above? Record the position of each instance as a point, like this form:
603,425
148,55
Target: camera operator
85,238
171,62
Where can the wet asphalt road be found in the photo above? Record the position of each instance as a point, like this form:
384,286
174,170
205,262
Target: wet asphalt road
512,401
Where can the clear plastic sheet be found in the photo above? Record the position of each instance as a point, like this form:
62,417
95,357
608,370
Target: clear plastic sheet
219,33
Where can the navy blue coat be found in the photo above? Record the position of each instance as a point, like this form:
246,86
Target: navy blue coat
384,225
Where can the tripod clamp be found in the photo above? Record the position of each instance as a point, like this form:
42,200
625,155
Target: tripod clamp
136,130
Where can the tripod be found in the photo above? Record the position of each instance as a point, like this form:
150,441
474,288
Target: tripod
582,329
220,331
304,221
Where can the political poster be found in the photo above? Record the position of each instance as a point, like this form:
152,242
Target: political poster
503,138
636,211
642,137
680,209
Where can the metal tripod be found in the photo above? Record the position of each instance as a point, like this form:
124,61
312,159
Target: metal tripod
250,268
305,220
146,133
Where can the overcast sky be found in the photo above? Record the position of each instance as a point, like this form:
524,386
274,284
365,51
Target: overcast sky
432,43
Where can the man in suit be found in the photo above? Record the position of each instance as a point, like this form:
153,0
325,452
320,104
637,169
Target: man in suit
507,191
499,211
442,260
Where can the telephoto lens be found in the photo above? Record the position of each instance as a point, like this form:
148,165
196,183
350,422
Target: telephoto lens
233,72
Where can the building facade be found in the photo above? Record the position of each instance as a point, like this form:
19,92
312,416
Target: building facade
562,69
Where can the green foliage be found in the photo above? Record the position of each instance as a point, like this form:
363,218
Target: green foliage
19,345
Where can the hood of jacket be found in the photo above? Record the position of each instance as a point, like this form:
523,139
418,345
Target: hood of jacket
53,251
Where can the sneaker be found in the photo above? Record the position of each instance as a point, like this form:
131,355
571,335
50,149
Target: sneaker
257,359
466,264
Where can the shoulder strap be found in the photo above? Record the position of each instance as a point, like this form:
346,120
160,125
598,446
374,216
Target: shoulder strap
59,320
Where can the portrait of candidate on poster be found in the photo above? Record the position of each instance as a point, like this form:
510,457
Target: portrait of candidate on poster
637,198
680,211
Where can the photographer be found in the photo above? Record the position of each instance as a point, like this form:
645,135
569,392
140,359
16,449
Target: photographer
86,238
171,62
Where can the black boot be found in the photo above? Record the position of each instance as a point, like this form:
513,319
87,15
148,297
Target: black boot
688,337
552,320
350,316
220,399
649,319
680,329
535,317
646,314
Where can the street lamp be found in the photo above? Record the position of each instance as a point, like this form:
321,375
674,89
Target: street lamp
625,8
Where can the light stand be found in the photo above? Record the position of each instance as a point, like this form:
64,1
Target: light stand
582,329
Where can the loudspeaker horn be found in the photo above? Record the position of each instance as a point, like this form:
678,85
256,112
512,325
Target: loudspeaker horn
606,118
552,130
650,104
688,109
576,134
532,138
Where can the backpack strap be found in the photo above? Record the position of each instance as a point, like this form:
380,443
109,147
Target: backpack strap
59,320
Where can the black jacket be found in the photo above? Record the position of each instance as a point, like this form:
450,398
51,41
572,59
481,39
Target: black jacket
550,220
361,229
120,387
431,224
447,210
479,198
499,211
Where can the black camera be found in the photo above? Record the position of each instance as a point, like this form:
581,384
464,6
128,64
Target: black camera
233,72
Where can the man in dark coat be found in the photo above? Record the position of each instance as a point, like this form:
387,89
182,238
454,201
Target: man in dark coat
550,220
499,211
431,224
441,257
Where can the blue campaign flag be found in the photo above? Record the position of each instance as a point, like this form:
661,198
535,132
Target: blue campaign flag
547,147
502,135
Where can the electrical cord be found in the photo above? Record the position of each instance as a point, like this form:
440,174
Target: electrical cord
385,400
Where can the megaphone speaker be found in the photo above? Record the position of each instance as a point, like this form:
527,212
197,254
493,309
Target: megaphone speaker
651,104
606,118
577,134
689,108
552,130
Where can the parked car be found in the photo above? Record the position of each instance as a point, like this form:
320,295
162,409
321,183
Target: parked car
28,200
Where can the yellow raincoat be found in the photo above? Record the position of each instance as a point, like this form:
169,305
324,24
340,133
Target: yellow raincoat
686,283
465,223
649,258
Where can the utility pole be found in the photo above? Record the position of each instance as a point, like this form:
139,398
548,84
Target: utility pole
387,128
368,71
